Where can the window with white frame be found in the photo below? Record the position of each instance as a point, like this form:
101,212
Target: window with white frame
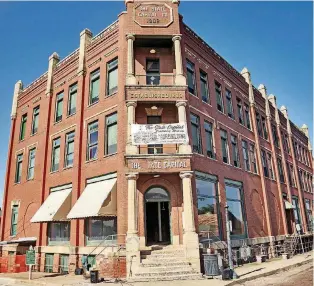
224,146
35,120
72,99
229,103
31,164
69,149
59,107
111,133
204,86
92,140
55,161
235,151
112,76
94,86
220,104
208,127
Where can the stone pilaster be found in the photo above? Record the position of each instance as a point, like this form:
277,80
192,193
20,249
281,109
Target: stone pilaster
131,105
85,39
18,87
53,60
190,237
179,77
130,77
181,105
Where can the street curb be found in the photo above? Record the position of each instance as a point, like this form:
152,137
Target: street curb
272,272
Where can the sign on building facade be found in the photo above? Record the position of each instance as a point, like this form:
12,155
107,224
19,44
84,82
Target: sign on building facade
145,134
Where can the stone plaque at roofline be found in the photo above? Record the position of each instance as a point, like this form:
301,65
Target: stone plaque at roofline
153,14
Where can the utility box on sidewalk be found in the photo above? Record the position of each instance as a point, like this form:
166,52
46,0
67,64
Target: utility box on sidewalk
211,267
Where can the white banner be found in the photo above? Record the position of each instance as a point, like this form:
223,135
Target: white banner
144,134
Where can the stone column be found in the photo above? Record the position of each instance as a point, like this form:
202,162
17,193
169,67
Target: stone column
130,78
179,78
131,149
190,237
132,239
183,148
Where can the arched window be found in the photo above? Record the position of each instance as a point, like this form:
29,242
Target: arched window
157,194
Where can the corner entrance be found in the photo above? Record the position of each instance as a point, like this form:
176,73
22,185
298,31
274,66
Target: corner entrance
157,206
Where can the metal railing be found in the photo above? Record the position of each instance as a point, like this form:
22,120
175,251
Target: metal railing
157,149
155,79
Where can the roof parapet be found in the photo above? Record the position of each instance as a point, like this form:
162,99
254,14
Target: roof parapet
18,87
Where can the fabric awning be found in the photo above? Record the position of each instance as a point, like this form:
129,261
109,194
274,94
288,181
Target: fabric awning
288,205
55,207
98,199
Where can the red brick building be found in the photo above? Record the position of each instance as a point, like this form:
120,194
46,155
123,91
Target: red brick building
74,180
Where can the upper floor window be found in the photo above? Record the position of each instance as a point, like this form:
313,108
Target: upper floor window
290,175
72,99
35,120
209,139
240,111
14,220
235,151
92,140
111,132
264,163
18,172
285,142
23,126
55,160
253,159
280,170
270,166
196,134
229,103
31,164
94,87
59,107
247,116
69,149
152,72
264,126
301,180
58,232
112,77
204,86
220,105
245,156
191,77
224,146
275,135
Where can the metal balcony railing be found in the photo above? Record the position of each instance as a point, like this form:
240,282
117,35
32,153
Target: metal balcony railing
157,149
155,79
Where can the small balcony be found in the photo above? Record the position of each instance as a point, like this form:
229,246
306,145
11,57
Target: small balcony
158,149
156,79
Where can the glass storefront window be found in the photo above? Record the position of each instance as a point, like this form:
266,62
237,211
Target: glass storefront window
99,228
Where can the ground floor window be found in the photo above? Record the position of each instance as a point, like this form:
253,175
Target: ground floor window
64,263
48,262
234,197
296,212
58,232
309,213
208,205
99,228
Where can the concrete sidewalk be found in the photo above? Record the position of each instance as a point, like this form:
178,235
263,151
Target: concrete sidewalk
247,272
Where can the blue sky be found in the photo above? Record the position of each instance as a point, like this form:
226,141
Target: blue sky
274,40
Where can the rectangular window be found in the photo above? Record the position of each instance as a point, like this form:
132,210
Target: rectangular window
94,86
245,156
92,140
18,172
235,203
196,135
220,104
301,179
292,176
264,163
229,103
240,111
191,77
14,220
72,99
69,149
204,86
296,212
247,116
286,144
209,139
31,164
154,148
280,170
275,135
55,155
98,228
48,263
259,125
235,151
253,159
112,77
152,72
224,146
35,120
23,126
59,107
309,214
64,263
208,205
270,166
112,132
264,126
58,232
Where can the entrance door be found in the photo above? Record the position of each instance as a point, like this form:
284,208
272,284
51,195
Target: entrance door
157,205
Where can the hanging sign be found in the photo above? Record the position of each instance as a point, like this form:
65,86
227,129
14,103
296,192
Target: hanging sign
146,134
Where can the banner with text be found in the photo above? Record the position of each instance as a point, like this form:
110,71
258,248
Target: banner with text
145,134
